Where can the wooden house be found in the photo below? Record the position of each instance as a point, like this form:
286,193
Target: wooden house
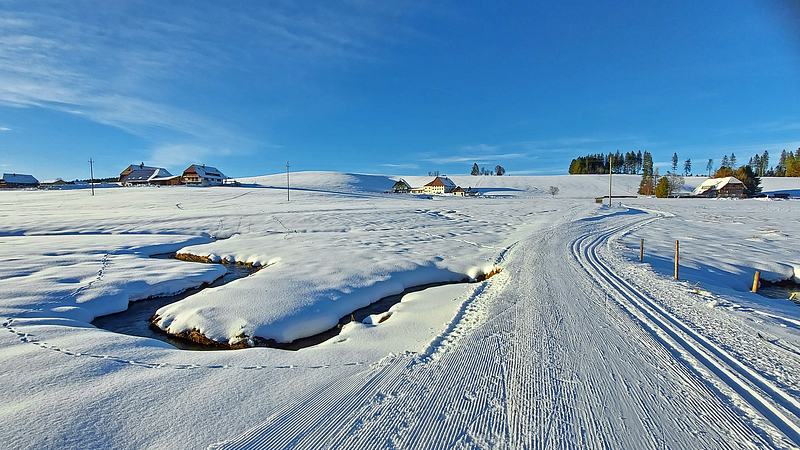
727,187
203,175
401,187
439,185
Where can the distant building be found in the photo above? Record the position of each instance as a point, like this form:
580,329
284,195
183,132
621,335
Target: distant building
439,185
459,191
728,187
401,187
53,184
143,175
203,175
18,180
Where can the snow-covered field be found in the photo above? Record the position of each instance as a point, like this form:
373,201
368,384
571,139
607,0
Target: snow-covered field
574,344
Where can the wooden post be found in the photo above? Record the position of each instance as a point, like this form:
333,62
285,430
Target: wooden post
756,278
677,257
641,250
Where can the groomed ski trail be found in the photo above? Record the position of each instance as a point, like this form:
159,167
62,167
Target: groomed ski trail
555,352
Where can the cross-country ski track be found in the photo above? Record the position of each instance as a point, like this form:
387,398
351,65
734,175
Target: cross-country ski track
558,351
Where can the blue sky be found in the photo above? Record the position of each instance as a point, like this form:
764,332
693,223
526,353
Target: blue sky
391,87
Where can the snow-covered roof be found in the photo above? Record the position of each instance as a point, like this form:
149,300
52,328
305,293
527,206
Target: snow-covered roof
205,171
148,174
19,178
715,183
138,166
442,181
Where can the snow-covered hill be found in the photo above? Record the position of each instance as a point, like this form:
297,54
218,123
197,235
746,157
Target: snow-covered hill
570,186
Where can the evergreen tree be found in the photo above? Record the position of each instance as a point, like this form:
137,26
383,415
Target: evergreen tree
687,167
639,161
733,160
752,182
674,162
710,166
764,163
647,164
499,170
780,169
756,163
477,170
724,162
662,188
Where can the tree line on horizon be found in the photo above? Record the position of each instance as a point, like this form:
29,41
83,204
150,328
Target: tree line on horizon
477,170
638,162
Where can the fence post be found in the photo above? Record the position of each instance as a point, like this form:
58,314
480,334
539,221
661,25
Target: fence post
756,278
677,258
641,250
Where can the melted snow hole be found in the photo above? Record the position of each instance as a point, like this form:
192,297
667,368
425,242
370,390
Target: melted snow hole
136,320
786,289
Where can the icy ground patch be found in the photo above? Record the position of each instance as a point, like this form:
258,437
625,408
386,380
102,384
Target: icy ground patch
452,366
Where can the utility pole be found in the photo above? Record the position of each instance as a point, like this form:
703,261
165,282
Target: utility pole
91,174
610,170
287,181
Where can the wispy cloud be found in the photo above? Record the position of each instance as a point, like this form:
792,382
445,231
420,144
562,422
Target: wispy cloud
782,126
4,129
477,157
400,165
118,64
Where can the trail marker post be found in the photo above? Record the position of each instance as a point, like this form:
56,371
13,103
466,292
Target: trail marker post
641,250
756,279
677,257
287,181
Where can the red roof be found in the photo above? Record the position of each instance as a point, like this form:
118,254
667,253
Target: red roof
443,182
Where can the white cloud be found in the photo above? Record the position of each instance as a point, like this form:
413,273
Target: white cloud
4,129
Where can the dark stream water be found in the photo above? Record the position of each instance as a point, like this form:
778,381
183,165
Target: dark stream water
135,321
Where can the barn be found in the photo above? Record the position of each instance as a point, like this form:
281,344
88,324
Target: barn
727,187
147,176
18,180
123,176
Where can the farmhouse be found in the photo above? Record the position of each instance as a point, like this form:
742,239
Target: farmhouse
123,176
459,191
439,185
203,175
143,175
18,180
401,187
728,187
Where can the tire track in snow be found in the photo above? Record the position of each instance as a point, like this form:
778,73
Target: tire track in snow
780,408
